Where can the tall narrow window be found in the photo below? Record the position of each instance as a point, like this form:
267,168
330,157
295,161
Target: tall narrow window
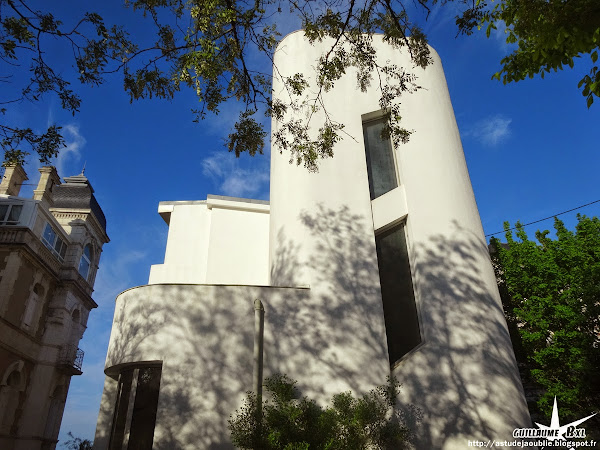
380,158
143,419
30,313
85,261
399,307
12,383
57,404
121,408
136,408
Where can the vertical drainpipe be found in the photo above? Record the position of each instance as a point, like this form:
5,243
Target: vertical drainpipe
259,327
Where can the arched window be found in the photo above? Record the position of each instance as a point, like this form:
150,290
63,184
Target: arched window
85,261
11,385
55,411
31,310
14,379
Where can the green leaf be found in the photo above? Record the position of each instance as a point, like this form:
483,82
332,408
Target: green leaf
549,34
288,422
550,294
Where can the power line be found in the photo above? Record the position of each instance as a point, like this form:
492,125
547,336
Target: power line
545,218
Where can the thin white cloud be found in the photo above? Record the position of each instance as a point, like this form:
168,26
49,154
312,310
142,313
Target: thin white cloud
490,131
232,179
441,16
72,152
214,166
65,161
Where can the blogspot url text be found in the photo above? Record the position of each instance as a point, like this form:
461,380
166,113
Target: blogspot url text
534,443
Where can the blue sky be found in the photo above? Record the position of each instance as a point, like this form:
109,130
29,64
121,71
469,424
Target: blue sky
531,148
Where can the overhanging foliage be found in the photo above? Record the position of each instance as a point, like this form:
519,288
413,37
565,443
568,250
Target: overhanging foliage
223,49
549,35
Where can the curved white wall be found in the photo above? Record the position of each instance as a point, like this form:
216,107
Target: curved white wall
324,320
463,377
203,336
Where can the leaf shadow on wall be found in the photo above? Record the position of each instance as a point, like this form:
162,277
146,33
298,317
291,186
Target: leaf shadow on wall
464,376
204,335
204,340
340,324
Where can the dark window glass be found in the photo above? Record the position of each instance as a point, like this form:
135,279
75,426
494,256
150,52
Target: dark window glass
15,213
9,214
49,234
14,379
399,307
58,245
144,409
120,416
135,412
84,262
380,159
63,249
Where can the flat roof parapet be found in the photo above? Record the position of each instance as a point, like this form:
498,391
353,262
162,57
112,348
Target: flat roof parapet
165,208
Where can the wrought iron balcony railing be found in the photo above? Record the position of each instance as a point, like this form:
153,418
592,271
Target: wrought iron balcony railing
71,358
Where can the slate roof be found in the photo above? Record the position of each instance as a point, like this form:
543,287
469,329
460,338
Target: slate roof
77,192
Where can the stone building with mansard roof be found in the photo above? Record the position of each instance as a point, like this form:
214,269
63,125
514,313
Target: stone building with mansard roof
50,248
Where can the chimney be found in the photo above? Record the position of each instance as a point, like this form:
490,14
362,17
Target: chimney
48,179
13,178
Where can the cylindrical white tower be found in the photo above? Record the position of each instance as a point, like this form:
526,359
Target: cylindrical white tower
410,257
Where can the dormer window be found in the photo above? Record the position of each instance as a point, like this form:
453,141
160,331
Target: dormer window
9,214
85,261
54,243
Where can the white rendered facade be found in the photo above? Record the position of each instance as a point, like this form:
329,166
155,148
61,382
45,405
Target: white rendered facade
314,258
195,254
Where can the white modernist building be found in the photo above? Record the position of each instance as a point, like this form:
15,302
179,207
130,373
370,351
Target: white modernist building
376,264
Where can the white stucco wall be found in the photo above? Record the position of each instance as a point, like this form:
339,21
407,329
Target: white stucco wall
324,322
218,240
463,377
203,335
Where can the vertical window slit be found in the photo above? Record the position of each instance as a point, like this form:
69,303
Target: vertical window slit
380,158
397,293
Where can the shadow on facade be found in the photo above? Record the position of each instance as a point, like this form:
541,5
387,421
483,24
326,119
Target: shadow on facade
330,338
204,339
285,264
344,334
464,376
